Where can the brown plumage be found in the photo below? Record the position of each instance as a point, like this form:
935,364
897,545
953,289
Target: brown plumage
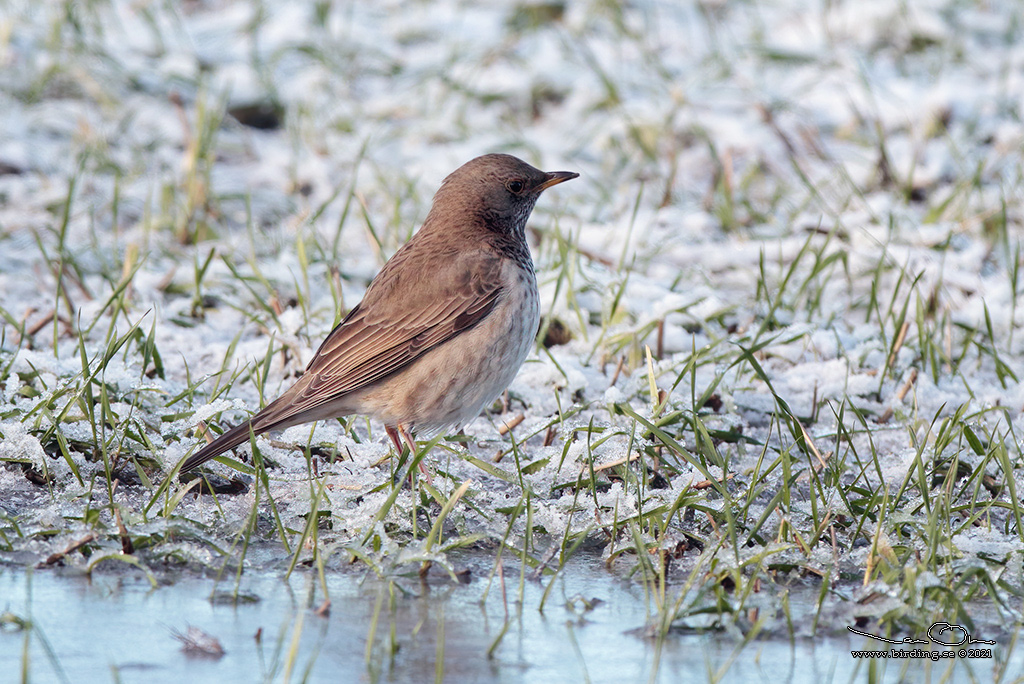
443,327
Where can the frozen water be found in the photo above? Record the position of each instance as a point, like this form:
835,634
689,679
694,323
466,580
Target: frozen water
725,154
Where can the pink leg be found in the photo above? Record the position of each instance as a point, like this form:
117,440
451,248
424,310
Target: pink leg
412,450
396,435
408,439
393,434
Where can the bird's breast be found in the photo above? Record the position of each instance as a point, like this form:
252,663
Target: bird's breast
452,383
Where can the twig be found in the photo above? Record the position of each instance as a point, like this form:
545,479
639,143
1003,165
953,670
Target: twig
900,394
55,558
509,425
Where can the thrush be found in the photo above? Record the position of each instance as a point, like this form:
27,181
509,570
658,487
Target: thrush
443,327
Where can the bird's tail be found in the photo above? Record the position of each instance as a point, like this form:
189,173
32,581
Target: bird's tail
228,440
279,414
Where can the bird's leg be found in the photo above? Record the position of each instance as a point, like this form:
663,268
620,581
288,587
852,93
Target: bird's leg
395,439
408,439
412,450
397,434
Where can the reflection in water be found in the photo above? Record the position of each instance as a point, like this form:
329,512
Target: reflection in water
398,630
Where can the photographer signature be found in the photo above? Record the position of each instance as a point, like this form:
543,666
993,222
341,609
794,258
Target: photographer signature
934,635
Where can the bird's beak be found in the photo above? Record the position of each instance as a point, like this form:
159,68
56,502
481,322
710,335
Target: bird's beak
556,177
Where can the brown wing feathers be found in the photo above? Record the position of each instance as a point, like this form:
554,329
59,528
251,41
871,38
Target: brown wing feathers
359,353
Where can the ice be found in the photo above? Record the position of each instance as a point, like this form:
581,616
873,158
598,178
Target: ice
19,444
792,105
989,542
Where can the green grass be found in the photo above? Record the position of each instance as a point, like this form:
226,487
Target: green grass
727,464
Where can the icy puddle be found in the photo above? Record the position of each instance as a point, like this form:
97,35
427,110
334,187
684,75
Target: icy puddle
119,628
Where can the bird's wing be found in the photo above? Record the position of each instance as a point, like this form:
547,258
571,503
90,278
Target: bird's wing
402,317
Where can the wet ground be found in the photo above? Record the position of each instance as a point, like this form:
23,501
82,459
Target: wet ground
120,628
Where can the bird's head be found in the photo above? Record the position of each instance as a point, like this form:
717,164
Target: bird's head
496,192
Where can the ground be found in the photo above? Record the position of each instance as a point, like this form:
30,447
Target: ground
780,302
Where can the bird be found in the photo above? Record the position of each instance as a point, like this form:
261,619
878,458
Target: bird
442,328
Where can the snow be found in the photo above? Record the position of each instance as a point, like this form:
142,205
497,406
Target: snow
791,105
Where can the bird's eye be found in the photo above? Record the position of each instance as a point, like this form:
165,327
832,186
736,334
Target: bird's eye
515,186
